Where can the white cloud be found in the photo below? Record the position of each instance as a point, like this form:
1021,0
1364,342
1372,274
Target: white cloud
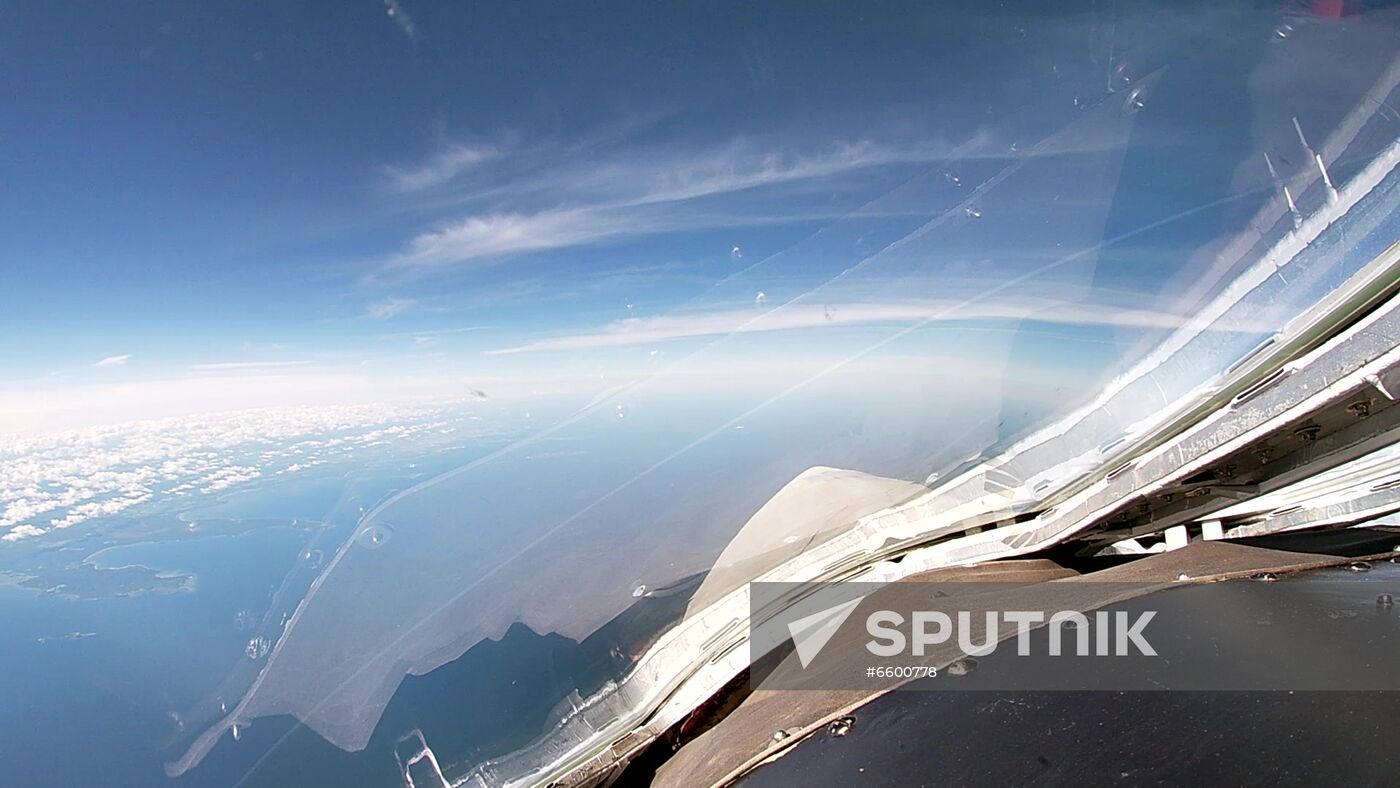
496,235
602,199
634,331
68,478
432,332
444,166
41,407
114,361
34,409
21,532
246,366
389,307
738,167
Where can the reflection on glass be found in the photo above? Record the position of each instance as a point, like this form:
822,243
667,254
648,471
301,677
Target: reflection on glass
737,300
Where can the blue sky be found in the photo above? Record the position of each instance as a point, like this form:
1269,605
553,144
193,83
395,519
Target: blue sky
194,185
306,191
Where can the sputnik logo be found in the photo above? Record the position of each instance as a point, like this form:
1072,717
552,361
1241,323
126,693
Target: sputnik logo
810,634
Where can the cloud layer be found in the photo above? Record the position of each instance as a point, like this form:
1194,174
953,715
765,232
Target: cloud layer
58,481
589,199
636,331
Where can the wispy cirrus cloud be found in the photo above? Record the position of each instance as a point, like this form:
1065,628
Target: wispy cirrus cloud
635,331
531,200
114,361
606,198
494,235
389,307
741,167
443,167
432,333
246,366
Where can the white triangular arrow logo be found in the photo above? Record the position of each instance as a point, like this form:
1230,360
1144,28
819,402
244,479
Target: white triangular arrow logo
811,633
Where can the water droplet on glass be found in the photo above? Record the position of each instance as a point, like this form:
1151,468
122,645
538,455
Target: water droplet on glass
962,667
1135,101
1119,77
1359,566
1264,577
1385,601
760,299
639,591
1283,31
375,536
972,212
257,647
841,727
